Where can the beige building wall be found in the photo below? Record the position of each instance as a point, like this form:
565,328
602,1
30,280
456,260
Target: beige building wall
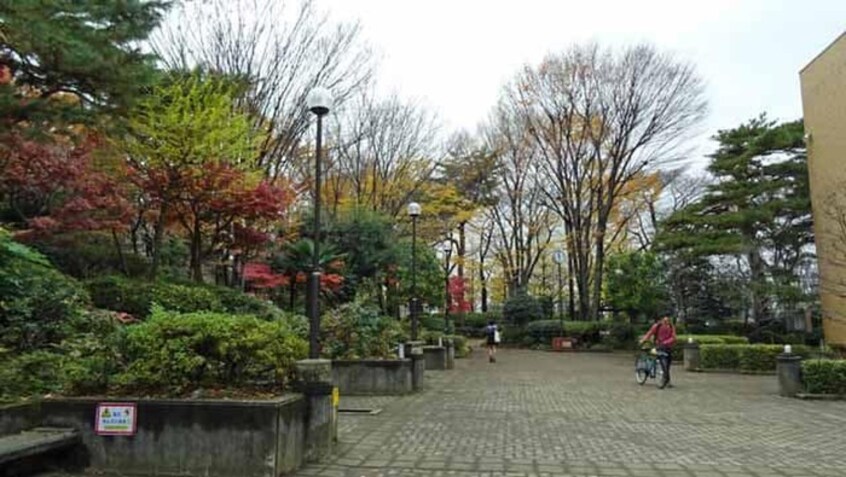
824,103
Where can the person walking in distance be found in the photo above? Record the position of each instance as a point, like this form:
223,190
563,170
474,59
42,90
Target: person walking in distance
493,339
664,334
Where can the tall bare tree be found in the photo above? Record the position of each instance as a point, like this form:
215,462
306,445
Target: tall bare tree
282,52
384,151
599,118
522,221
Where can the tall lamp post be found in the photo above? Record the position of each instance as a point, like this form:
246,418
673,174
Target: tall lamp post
558,257
414,212
319,101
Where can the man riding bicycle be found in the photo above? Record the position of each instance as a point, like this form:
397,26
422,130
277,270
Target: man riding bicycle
664,335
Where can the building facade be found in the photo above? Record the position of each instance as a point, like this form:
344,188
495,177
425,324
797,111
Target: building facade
824,106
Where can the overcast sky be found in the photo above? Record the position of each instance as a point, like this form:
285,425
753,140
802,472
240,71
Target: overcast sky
454,55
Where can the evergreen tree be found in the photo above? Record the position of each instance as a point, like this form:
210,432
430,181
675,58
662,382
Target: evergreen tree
758,210
69,60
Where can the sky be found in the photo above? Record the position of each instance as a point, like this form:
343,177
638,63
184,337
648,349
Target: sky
454,56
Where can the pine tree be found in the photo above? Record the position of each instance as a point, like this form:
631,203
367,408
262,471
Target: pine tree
70,60
758,209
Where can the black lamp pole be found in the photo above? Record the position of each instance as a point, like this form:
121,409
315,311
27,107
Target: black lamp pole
318,103
414,212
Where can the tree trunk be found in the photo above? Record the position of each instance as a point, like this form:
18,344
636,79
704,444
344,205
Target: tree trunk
121,256
461,252
598,269
196,253
158,238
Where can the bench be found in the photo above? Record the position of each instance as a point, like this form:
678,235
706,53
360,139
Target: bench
33,442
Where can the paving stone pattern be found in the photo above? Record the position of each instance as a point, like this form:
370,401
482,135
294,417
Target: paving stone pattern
579,414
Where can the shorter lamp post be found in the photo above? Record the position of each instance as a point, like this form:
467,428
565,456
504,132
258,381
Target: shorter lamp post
558,257
414,213
446,248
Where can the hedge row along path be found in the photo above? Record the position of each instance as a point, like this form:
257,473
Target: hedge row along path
545,414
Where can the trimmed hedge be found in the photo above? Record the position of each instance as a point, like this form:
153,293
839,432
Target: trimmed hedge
678,348
825,376
744,357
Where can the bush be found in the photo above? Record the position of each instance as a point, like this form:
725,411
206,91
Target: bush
173,353
33,373
135,297
432,322
38,305
86,255
678,348
744,357
521,309
354,331
462,346
826,376
480,320
541,332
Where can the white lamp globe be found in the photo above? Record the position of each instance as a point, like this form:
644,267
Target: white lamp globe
414,209
319,101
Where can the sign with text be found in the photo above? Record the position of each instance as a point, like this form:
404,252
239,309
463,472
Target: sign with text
116,419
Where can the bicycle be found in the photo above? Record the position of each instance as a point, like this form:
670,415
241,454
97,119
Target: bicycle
651,364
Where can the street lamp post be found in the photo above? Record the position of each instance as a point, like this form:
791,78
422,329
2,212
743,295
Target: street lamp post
558,257
319,101
446,248
414,212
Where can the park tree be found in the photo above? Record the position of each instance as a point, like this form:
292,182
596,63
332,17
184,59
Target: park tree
757,211
188,143
283,50
70,62
523,222
599,119
383,154
636,284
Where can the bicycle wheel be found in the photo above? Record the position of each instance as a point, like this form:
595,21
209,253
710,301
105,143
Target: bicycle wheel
641,369
663,377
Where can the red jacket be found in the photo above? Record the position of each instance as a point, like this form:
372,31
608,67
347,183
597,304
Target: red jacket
665,335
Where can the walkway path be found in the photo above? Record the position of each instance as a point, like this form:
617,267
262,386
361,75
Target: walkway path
537,413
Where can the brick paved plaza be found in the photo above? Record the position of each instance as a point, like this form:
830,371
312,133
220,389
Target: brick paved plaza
538,413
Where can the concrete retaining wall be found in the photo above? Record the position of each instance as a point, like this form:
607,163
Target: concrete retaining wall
372,376
436,357
182,437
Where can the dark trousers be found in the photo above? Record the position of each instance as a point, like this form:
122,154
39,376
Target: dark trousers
665,354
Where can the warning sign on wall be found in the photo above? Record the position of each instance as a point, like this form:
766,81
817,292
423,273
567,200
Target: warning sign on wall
116,419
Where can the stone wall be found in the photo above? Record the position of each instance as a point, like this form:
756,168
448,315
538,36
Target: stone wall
372,376
182,437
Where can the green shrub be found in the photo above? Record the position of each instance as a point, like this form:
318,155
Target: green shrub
522,308
480,320
38,305
432,322
462,346
118,293
678,348
32,373
354,331
240,303
744,357
172,353
826,376
718,356
86,255
185,298
542,332
135,296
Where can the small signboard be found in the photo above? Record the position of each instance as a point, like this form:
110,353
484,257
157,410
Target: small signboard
336,396
116,419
